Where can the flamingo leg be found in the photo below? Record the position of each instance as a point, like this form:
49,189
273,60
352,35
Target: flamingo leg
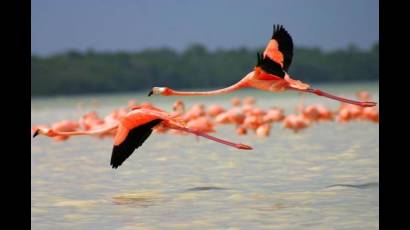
331,96
198,133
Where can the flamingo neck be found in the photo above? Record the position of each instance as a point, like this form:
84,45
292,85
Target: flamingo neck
89,132
229,89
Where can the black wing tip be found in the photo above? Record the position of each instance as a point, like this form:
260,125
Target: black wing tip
279,32
36,133
115,166
150,93
115,163
277,29
116,159
285,44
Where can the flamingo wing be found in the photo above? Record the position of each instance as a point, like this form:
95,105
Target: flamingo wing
280,48
269,66
135,138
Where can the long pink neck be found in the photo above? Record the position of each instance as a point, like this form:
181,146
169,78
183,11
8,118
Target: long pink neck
90,132
229,89
331,96
212,138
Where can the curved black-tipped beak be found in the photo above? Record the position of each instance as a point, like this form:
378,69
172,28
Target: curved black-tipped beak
36,133
150,93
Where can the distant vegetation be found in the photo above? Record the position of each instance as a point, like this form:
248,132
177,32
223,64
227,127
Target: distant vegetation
97,72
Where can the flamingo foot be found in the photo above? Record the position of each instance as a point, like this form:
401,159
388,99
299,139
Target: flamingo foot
242,146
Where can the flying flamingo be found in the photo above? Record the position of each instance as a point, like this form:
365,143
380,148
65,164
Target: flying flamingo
135,128
270,74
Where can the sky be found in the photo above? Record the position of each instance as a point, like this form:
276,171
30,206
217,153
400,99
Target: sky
134,25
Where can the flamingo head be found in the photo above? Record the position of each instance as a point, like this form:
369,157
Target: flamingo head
160,90
45,132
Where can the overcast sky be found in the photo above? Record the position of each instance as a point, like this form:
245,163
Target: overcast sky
133,25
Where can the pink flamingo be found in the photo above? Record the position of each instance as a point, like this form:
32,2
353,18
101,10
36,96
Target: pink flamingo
135,128
270,74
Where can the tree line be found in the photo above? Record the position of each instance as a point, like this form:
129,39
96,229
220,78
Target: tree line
74,72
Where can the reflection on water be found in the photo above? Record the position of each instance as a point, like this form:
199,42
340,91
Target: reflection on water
269,208
205,188
365,185
325,177
143,199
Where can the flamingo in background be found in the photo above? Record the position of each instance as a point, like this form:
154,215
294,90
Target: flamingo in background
317,112
274,115
215,110
240,130
270,74
295,122
135,128
249,101
236,101
263,130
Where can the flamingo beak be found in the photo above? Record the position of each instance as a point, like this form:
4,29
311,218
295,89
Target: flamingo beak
150,93
36,133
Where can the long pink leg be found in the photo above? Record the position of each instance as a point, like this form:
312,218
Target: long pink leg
235,145
331,96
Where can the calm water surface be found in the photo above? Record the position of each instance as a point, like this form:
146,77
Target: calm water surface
177,182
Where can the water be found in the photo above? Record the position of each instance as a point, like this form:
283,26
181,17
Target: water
325,177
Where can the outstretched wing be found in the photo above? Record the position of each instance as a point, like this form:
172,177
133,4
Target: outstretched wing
269,66
135,138
280,48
